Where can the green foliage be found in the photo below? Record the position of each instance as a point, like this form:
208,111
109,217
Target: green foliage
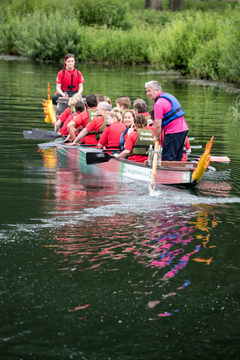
152,17
219,59
204,64
209,5
180,39
89,12
104,12
234,111
41,36
198,43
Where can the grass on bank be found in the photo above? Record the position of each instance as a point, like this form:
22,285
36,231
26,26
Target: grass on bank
198,43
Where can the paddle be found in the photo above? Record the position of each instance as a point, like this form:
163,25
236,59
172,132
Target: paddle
38,134
47,145
220,159
196,146
154,163
27,134
52,144
97,157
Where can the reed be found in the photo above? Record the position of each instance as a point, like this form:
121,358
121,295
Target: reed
234,111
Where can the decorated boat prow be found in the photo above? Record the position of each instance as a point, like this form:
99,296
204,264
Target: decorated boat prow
49,112
203,162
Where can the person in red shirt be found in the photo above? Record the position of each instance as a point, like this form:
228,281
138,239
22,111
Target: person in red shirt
140,107
61,120
69,80
92,132
123,103
80,121
79,108
111,134
138,141
128,120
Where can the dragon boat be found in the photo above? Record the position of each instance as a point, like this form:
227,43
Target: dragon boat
96,161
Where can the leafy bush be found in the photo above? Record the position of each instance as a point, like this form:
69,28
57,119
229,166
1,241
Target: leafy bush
39,36
207,5
104,12
89,12
152,17
180,39
219,59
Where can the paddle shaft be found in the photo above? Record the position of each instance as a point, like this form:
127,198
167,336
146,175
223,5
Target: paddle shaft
154,164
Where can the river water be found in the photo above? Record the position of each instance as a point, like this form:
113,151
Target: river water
105,270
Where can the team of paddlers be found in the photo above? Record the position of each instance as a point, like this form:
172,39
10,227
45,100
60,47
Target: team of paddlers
123,130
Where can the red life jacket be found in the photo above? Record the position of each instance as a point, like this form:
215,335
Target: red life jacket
70,80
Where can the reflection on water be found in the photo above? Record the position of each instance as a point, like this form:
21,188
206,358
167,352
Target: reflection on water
164,245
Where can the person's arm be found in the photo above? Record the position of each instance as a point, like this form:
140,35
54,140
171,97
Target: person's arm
57,125
71,129
59,90
158,128
81,135
80,89
123,154
104,137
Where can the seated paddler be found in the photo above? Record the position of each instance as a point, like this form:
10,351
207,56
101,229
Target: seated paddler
94,129
138,141
110,137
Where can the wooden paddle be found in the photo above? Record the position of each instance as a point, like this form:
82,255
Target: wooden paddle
154,163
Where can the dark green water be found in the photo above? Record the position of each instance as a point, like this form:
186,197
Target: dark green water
92,269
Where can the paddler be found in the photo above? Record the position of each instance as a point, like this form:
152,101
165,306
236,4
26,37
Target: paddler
140,107
128,120
69,80
93,131
138,141
80,121
123,103
62,119
79,108
110,137
168,116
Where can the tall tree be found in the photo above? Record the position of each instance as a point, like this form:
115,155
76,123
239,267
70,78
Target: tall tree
175,4
153,4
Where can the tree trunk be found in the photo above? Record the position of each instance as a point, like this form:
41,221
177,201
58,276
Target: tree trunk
175,4
153,4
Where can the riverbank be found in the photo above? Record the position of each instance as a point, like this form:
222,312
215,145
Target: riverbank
198,44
